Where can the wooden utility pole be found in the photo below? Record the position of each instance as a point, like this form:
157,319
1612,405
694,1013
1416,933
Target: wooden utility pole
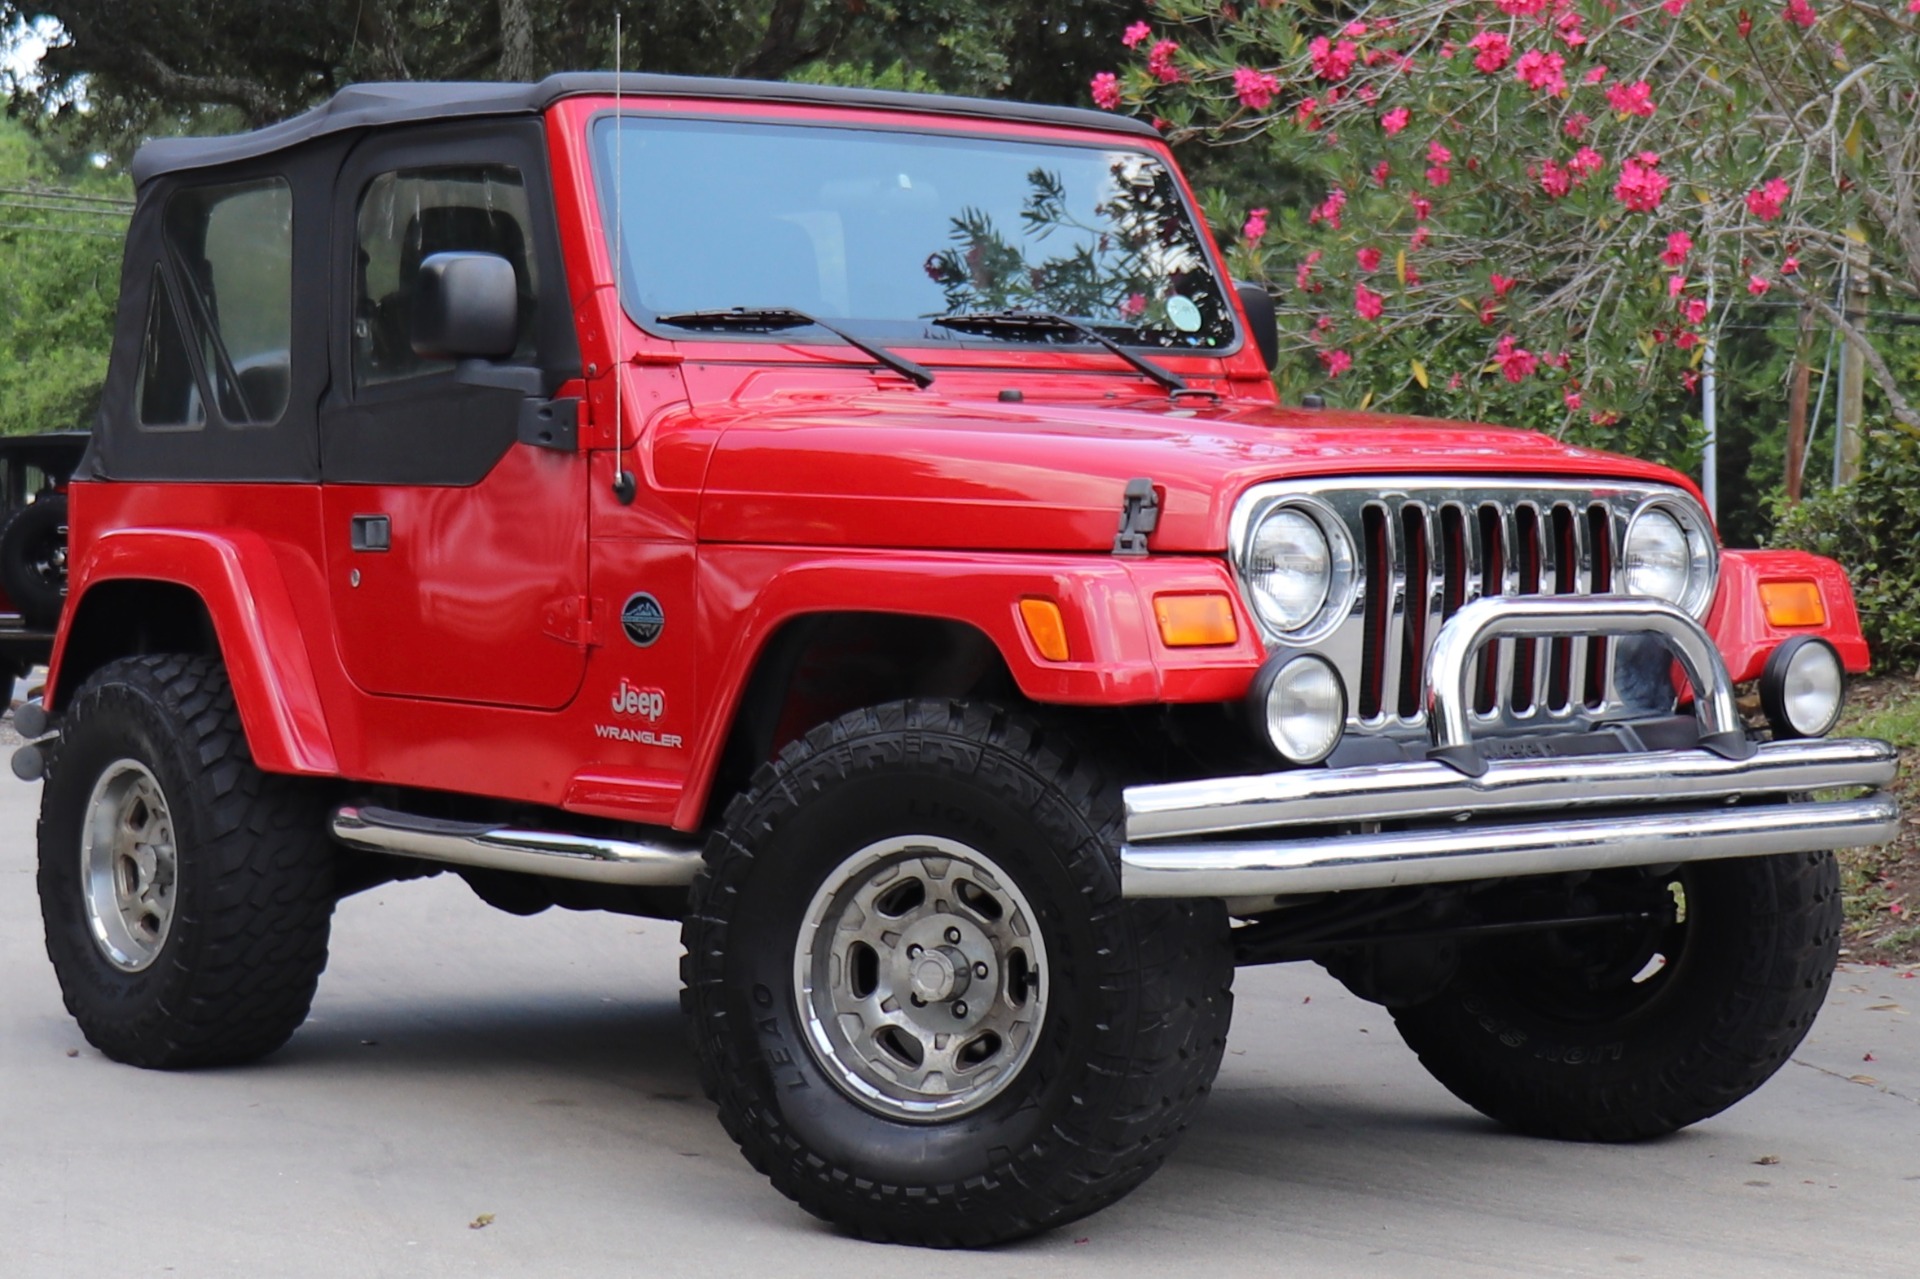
1797,406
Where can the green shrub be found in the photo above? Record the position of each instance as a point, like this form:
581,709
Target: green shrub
1873,527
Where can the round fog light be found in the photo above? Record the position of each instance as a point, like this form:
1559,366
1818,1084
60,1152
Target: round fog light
1300,704
1803,688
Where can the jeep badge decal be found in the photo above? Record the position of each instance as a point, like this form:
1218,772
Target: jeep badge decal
642,618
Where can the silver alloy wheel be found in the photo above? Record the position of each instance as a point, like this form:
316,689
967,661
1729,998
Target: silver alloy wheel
918,974
128,865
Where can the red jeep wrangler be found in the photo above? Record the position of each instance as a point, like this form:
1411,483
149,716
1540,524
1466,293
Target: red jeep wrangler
861,525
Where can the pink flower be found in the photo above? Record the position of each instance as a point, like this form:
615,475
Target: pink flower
1516,363
1134,305
1679,244
1800,14
1305,115
1568,26
1686,341
1542,72
1355,29
1554,180
1395,120
1694,310
1337,362
1585,161
1493,51
1328,210
1521,8
1160,62
1417,242
1595,74
1576,124
1256,226
1631,99
1758,284
1366,302
1381,172
1106,90
1136,33
1792,264
1689,381
1368,258
1453,383
1913,6
1502,284
1745,24
1438,154
1255,89
1439,175
1422,208
1641,186
1332,61
1303,274
1675,283
1572,399
1674,7
1769,199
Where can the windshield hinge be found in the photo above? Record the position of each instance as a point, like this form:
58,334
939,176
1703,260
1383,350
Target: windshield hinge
1139,516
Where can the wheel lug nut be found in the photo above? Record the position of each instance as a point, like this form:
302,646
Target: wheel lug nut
953,936
913,951
916,1001
979,970
959,1008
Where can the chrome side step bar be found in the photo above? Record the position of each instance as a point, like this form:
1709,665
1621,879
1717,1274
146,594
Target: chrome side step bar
1423,789
1337,863
666,863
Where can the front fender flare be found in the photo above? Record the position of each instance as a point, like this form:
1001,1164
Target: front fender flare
238,579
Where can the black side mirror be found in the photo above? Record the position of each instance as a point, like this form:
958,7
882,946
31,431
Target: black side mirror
1258,304
465,306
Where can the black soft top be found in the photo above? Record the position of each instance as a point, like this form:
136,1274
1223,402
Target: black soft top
365,106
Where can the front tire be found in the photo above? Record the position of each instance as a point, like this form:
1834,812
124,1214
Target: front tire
1629,1033
925,1010
186,895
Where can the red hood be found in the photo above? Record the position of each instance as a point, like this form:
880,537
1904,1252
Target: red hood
963,474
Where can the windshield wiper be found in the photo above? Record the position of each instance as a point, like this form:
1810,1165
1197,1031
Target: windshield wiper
786,317
1004,320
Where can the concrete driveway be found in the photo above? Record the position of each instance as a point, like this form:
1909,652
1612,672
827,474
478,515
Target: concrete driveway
483,1095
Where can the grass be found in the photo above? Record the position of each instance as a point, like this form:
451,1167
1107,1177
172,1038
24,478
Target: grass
1880,884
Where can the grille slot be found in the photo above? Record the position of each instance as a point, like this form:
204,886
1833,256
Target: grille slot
1424,557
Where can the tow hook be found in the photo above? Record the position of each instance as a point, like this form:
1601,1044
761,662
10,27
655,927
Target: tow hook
30,761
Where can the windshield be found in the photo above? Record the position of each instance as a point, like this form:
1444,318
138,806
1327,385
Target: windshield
889,230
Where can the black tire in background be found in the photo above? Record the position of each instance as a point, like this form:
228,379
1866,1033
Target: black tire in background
186,895
33,560
1138,992
1551,1035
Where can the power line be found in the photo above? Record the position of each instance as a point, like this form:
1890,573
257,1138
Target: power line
69,193
58,230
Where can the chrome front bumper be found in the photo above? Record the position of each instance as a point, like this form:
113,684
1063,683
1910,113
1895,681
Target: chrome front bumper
1458,816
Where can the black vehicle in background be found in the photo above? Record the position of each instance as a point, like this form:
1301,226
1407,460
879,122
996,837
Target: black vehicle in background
34,470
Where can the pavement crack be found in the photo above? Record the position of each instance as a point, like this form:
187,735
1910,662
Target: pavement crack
1849,1079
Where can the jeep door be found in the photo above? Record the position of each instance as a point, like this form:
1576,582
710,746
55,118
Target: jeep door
457,555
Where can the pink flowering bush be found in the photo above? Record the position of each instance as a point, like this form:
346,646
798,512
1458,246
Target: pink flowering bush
1517,208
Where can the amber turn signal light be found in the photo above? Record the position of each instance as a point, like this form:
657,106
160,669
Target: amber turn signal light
1045,628
1793,603
1195,621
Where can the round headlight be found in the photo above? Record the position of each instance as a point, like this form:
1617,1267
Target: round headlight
1803,688
1288,569
1301,705
1667,558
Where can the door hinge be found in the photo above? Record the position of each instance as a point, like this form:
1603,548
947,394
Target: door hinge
570,620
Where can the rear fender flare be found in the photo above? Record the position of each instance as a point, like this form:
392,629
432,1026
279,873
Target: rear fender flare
238,580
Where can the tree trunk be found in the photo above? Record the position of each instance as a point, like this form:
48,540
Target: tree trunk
516,41
1797,407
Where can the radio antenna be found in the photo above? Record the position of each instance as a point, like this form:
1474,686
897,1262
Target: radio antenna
624,484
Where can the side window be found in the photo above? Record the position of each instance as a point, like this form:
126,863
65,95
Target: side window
409,215
231,250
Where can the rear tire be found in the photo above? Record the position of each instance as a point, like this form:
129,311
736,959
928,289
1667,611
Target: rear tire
1084,1039
1551,1035
186,895
33,561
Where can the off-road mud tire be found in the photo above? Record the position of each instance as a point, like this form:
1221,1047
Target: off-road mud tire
1139,999
1762,938
33,561
236,972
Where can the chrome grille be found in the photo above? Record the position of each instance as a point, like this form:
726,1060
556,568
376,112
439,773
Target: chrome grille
1426,548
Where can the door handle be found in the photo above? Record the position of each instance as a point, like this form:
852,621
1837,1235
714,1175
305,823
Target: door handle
371,533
